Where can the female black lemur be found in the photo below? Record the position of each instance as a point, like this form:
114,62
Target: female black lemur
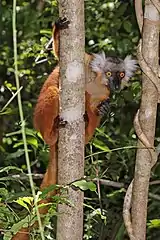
103,75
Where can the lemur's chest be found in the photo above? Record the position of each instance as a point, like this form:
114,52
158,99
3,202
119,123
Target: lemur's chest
98,93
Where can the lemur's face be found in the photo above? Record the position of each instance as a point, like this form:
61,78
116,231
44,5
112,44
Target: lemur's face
114,79
114,70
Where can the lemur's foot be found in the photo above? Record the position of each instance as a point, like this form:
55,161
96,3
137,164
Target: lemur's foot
103,107
62,122
62,23
59,122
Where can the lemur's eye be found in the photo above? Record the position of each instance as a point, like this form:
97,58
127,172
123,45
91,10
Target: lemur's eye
122,74
108,74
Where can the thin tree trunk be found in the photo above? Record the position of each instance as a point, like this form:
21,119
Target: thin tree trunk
147,119
71,138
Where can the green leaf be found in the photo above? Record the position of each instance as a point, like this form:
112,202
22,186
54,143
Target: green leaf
7,236
39,135
155,223
32,141
7,111
127,26
102,132
28,200
16,154
84,185
100,145
45,31
20,143
23,223
44,205
128,96
49,189
30,132
3,192
121,10
22,203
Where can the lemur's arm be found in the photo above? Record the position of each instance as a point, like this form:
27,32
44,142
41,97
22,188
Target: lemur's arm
59,25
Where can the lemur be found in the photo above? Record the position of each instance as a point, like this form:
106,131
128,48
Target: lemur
103,75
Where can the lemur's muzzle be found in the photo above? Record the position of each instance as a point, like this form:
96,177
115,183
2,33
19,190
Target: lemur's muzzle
114,83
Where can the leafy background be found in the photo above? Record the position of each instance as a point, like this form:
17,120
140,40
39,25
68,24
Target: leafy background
110,26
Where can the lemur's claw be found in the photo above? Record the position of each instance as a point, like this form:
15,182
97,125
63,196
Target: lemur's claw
103,107
62,122
62,23
59,122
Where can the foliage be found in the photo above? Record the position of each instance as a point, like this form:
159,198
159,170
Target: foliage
111,26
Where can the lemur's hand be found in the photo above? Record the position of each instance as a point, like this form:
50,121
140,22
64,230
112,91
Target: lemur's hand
59,122
62,23
104,107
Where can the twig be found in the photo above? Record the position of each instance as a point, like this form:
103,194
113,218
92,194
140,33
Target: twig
110,183
99,191
154,196
46,47
154,182
25,177
11,99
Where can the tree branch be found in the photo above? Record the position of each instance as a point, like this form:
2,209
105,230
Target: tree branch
146,121
71,138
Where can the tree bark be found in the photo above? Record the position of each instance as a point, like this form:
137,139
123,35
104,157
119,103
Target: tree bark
147,119
72,99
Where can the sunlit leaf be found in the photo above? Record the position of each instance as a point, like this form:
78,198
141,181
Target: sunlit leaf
21,202
154,223
100,145
84,185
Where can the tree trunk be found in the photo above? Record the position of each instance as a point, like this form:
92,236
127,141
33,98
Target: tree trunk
71,138
147,119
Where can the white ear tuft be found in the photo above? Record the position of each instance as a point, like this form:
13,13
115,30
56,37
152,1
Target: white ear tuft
98,63
130,66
